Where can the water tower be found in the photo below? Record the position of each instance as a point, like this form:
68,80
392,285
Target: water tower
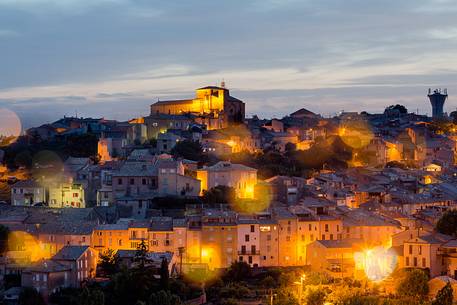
437,99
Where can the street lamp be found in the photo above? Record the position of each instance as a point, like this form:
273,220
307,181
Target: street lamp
300,292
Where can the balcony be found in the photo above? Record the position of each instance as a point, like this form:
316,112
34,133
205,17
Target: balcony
249,252
138,238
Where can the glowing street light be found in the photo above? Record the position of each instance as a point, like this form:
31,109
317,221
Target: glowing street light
300,292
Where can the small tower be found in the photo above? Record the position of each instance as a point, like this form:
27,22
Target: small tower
437,99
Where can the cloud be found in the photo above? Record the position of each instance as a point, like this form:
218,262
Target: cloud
8,33
444,34
346,54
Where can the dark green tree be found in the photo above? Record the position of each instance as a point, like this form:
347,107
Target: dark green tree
65,296
188,150
445,296
447,224
453,115
315,297
30,296
285,297
400,108
164,275
91,296
413,284
268,282
237,272
164,298
219,194
4,234
108,263
141,254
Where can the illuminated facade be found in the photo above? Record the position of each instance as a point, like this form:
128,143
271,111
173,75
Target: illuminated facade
242,178
214,105
67,195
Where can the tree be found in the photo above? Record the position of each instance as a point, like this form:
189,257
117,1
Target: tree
268,282
4,234
164,298
453,115
108,263
395,164
447,224
30,296
315,297
164,275
65,296
188,150
238,271
445,296
230,301
219,194
290,147
285,297
400,108
413,284
141,254
91,297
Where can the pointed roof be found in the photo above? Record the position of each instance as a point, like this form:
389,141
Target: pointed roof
302,112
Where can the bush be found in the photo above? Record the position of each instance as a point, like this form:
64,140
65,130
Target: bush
315,297
413,284
447,224
445,296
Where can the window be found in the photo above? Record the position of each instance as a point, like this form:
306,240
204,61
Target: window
246,237
407,261
420,250
119,181
415,262
424,262
410,249
331,236
310,227
252,228
268,237
253,249
143,181
132,181
75,195
326,228
243,249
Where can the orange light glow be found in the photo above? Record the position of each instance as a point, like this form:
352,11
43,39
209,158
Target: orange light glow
47,167
25,248
356,134
377,263
10,124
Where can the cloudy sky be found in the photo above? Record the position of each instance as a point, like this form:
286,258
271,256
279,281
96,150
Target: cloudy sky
113,58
